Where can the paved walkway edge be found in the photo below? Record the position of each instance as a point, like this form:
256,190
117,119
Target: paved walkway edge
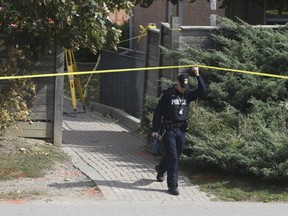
129,121
80,164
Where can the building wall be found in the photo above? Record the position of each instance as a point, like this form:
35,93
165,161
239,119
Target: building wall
194,14
198,13
250,12
119,17
255,14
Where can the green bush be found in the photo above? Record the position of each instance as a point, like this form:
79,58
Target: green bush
248,144
147,116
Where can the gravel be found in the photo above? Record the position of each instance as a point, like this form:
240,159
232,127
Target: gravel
62,182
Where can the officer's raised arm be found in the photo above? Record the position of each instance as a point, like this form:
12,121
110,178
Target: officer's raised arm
195,70
196,93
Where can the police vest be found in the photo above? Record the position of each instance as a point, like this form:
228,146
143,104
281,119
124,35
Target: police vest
177,106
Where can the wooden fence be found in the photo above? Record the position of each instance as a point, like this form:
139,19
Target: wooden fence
46,106
171,36
122,90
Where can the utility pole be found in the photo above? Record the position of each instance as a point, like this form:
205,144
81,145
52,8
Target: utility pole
213,6
180,11
169,12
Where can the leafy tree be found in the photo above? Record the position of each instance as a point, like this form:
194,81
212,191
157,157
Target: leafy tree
73,23
14,93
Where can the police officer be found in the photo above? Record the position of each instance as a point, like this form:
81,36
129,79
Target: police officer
171,113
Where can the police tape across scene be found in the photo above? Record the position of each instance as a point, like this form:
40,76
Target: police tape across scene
140,69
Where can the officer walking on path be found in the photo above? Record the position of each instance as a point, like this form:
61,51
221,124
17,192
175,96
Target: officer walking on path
171,113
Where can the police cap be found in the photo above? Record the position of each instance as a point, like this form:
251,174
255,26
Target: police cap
184,80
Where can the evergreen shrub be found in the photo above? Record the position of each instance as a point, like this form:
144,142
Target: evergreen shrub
241,124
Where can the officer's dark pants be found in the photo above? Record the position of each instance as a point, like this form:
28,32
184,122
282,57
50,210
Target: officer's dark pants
173,142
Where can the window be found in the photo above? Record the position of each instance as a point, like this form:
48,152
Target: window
276,12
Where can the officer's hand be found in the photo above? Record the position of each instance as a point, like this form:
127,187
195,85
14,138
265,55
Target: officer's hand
155,134
195,69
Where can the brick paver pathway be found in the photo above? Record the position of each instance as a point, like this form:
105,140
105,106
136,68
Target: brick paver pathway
116,159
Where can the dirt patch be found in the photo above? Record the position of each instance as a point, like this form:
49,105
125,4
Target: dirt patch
60,182
12,146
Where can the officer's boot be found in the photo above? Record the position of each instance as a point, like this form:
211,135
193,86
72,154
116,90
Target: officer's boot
160,175
173,190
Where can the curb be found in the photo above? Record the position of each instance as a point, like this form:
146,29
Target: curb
126,119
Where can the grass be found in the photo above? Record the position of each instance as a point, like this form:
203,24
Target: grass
30,164
230,187
19,195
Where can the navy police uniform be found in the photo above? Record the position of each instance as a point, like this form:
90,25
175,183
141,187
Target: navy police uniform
171,113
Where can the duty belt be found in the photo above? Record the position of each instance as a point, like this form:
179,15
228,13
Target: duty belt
170,124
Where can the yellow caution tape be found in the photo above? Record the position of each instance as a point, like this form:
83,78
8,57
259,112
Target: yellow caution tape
245,72
139,36
144,30
141,69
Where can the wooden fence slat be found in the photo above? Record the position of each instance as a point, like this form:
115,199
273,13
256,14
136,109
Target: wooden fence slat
34,130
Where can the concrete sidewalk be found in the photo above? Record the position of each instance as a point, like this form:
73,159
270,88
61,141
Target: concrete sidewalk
114,157
150,208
